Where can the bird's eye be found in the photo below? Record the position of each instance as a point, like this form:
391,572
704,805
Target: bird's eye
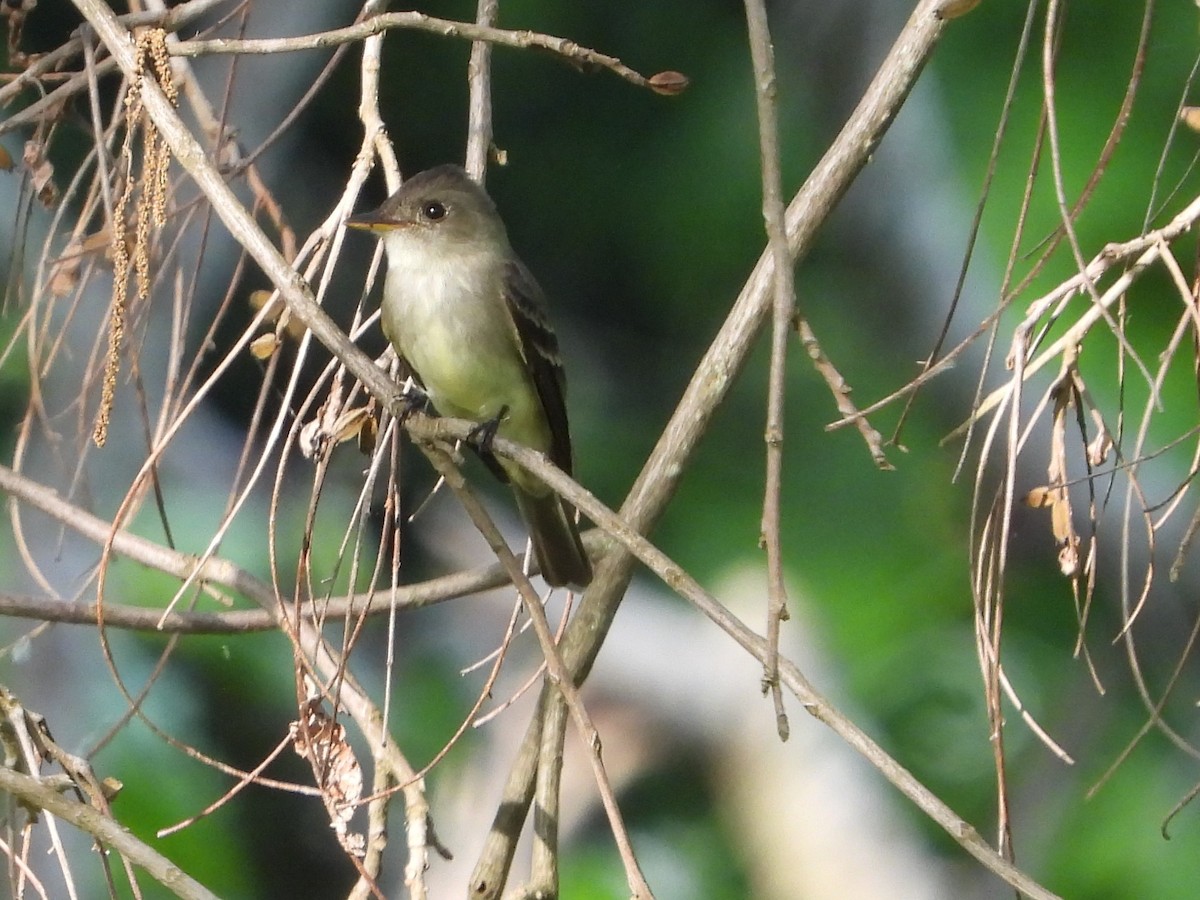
433,210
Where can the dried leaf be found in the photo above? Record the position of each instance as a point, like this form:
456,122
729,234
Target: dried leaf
311,439
261,298
668,83
1039,497
1060,519
952,9
98,241
264,345
64,273
368,434
41,172
1100,447
63,279
16,11
1068,558
6,160
322,741
277,313
349,424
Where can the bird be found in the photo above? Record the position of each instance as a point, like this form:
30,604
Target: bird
469,321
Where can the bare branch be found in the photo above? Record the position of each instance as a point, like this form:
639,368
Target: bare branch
783,307
38,794
416,21
479,81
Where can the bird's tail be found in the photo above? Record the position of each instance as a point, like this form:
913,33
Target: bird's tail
556,543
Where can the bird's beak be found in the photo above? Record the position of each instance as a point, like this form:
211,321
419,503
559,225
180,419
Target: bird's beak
373,221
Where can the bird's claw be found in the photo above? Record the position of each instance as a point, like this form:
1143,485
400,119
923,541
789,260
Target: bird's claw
412,399
482,435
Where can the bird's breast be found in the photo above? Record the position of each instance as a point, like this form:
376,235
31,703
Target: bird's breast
451,324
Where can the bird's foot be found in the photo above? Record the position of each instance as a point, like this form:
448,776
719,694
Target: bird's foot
482,435
412,399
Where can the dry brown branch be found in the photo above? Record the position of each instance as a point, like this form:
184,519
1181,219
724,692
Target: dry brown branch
38,794
46,65
1135,256
378,24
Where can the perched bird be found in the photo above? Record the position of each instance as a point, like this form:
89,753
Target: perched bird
466,316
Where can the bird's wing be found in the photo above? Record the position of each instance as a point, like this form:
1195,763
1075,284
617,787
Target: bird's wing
539,347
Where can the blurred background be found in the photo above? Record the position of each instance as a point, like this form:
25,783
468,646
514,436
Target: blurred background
640,215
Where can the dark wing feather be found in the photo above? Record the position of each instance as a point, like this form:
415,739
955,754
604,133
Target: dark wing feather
539,346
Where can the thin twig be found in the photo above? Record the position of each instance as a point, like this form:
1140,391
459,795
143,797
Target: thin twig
783,307
171,20
418,22
246,621
1144,251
